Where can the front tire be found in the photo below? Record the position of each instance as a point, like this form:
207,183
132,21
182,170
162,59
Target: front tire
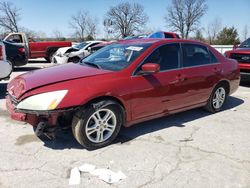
217,99
96,128
51,55
74,59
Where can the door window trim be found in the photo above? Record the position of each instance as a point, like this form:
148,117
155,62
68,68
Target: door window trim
208,50
143,61
180,64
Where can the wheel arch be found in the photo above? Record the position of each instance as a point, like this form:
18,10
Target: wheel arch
109,98
50,49
225,83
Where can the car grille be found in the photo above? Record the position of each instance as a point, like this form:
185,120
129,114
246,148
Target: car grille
243,58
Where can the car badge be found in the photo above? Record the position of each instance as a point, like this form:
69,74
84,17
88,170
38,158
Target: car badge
245,58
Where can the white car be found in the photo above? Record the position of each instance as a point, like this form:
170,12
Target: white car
5,66
73,54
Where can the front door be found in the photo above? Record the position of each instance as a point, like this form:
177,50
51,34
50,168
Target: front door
161,92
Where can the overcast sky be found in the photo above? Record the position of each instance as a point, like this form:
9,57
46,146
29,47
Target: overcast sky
50,15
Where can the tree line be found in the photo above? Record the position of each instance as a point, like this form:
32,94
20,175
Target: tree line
128,19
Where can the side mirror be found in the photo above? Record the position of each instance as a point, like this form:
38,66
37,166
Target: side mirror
150,68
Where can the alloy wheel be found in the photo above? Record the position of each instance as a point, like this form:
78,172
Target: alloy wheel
101,125
219,97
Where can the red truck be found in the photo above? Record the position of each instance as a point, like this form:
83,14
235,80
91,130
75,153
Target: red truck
37,49
241,53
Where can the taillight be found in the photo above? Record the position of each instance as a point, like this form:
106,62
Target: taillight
22,50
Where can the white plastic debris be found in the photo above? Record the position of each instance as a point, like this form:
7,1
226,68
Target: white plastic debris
108,175
105,175
234,109
75,177
87,168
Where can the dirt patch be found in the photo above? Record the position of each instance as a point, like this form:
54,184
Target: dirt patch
159,138
22,140
4,113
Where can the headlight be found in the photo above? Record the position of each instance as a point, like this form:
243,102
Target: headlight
67,54
44,101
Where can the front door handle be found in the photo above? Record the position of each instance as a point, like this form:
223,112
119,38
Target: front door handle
181,77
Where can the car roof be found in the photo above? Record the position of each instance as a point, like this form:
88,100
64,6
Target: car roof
159,40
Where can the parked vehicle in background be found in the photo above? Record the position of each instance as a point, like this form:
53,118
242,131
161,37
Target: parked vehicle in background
158,34
5,66
37,49
73,54
163,34
241,54
99,46
122,84
16,54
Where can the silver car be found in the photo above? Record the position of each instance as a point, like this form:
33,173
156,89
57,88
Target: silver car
5,65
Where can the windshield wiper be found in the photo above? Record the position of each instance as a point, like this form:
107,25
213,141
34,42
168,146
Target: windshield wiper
92,64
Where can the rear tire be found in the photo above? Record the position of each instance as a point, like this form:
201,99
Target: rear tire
96,128
217,99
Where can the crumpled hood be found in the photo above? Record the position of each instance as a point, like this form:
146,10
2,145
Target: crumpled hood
34,79
62,50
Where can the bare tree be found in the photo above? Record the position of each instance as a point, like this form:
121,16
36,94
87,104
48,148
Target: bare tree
213,30
184,15
125,19
84,25
57,34
245,32
9,17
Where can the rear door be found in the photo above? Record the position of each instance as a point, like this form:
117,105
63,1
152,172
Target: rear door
202,71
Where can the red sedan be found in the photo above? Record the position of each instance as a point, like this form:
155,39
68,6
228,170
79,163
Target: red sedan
123,84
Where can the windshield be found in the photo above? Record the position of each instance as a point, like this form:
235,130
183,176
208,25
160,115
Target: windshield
245,44
115,57
81,45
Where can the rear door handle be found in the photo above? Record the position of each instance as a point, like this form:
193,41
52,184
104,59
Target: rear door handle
217,70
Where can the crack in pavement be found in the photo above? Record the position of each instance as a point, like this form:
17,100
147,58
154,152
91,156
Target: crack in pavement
24,169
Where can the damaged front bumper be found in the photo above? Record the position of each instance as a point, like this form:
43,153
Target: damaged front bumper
60,59
35,117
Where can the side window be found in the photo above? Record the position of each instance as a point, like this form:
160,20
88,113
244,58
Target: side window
194,55
168,36
16,38
167,56
94,44
213,59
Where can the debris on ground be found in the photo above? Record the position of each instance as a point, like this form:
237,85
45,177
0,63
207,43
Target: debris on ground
187,140
234,109
75,177
105,175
